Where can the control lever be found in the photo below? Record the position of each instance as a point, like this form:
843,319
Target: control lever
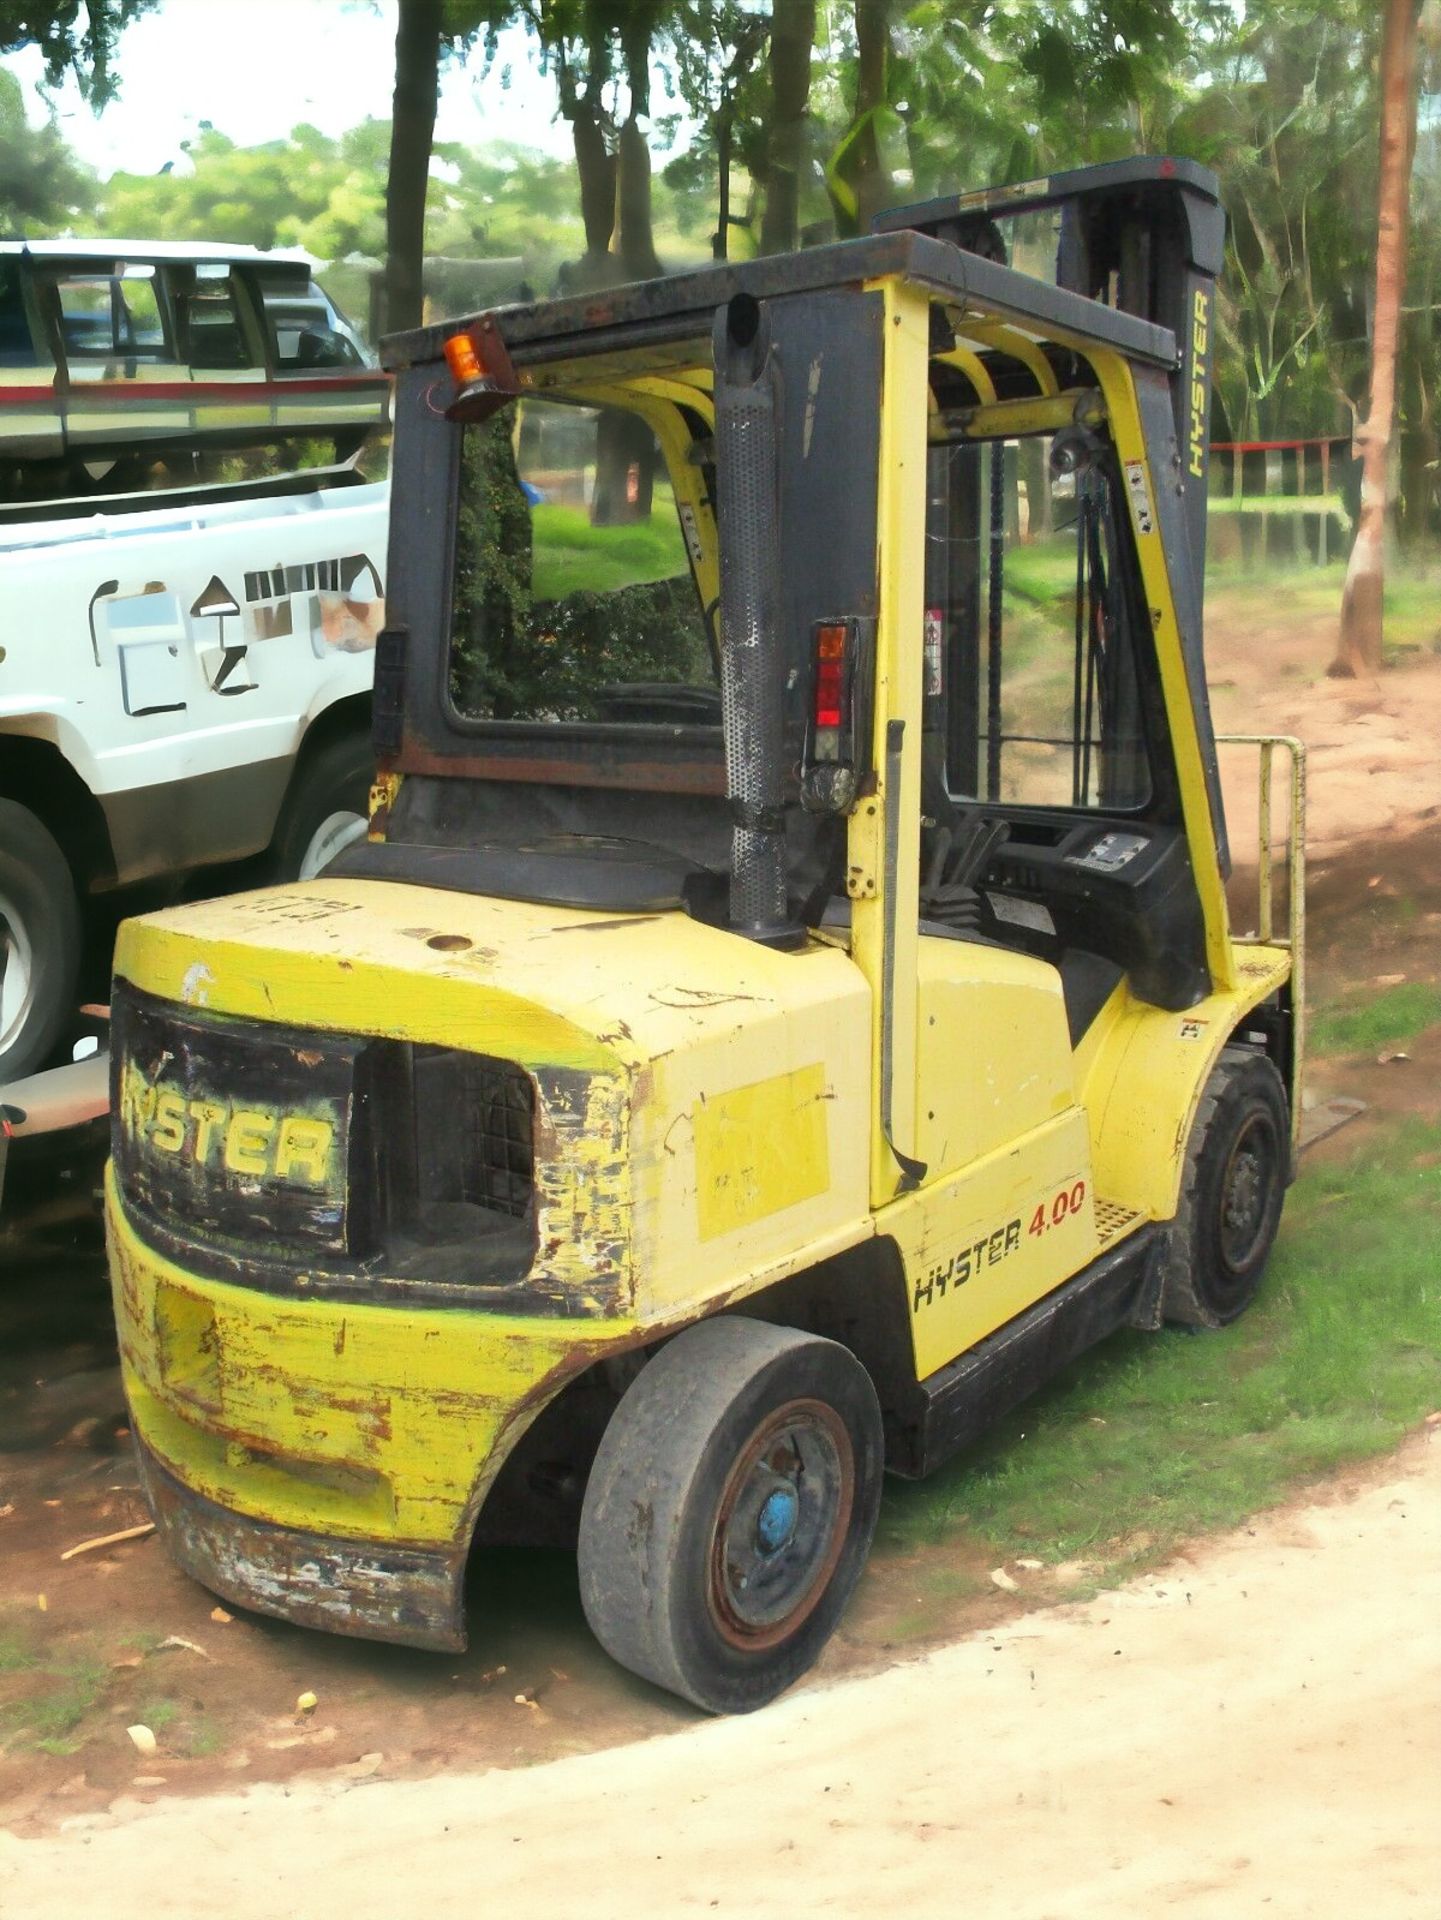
958,859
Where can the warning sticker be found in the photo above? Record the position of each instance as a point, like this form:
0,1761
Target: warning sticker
1140,496
1021,913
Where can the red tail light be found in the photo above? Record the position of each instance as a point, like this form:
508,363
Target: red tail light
832,682
836,753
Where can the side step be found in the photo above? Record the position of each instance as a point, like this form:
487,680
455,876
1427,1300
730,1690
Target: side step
964,1398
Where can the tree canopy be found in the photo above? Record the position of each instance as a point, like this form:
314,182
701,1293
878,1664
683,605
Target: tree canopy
803,120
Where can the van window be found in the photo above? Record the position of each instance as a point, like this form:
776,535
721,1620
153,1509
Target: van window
209,323
17,349
304,329
106,316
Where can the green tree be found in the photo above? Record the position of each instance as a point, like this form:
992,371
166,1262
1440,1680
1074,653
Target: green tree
43,187
74,38
307,191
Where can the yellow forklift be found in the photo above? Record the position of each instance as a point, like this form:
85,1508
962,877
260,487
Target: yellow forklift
785,1007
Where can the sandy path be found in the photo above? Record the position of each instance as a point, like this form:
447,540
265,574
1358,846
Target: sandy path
1252,1732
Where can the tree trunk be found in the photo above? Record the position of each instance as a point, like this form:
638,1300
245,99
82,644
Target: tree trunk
637,237
862,167
793,32
596,166
720,239
1359,650
417,85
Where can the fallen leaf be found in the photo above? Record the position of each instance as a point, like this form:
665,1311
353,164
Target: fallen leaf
1031,1566
528,1699
307,1703
1388,979
1396,1059
219,1614
1000,1578
142,1739
174,1644
42,1603
367,1764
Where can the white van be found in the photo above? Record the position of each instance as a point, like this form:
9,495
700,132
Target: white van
191,585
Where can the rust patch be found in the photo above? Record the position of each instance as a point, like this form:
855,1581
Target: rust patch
408,1595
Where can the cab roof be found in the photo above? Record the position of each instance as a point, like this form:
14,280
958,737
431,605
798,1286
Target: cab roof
679,306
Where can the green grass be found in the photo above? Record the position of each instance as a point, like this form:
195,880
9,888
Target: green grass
158,1714
16,1653
572,555
1150,1439
1412,622
50,1721
1385,1019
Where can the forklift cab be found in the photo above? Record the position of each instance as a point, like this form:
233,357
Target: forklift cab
785,1006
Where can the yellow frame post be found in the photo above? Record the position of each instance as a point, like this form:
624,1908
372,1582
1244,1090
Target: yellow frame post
883,877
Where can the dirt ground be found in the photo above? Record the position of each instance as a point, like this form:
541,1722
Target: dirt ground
1250,1730
1375,768
534,1689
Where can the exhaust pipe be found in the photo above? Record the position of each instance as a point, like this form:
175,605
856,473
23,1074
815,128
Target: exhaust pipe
752,664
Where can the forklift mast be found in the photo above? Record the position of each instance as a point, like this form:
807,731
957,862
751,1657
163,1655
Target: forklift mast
1145,236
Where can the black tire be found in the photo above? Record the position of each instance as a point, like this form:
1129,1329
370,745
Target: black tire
1232,1188
332,782
40,942
729,1512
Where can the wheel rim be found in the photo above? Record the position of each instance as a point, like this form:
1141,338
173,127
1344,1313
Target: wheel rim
336,832
781,1524
1247,1185
17,984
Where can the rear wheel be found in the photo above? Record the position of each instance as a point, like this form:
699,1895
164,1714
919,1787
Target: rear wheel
39,942
730,1509
326,809
1232,1188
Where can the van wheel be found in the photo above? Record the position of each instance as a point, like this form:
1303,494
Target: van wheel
1232,1187
327,808
39,943
730,1509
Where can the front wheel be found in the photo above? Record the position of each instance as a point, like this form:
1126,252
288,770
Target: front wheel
39,942
326,809
1232,1187
730,1509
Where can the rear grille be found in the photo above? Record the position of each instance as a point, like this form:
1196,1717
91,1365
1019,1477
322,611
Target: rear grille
276,1146
234,1133
482,1152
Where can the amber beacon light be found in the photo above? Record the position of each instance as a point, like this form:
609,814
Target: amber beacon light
481,367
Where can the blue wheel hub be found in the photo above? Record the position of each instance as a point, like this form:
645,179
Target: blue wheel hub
776,1521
